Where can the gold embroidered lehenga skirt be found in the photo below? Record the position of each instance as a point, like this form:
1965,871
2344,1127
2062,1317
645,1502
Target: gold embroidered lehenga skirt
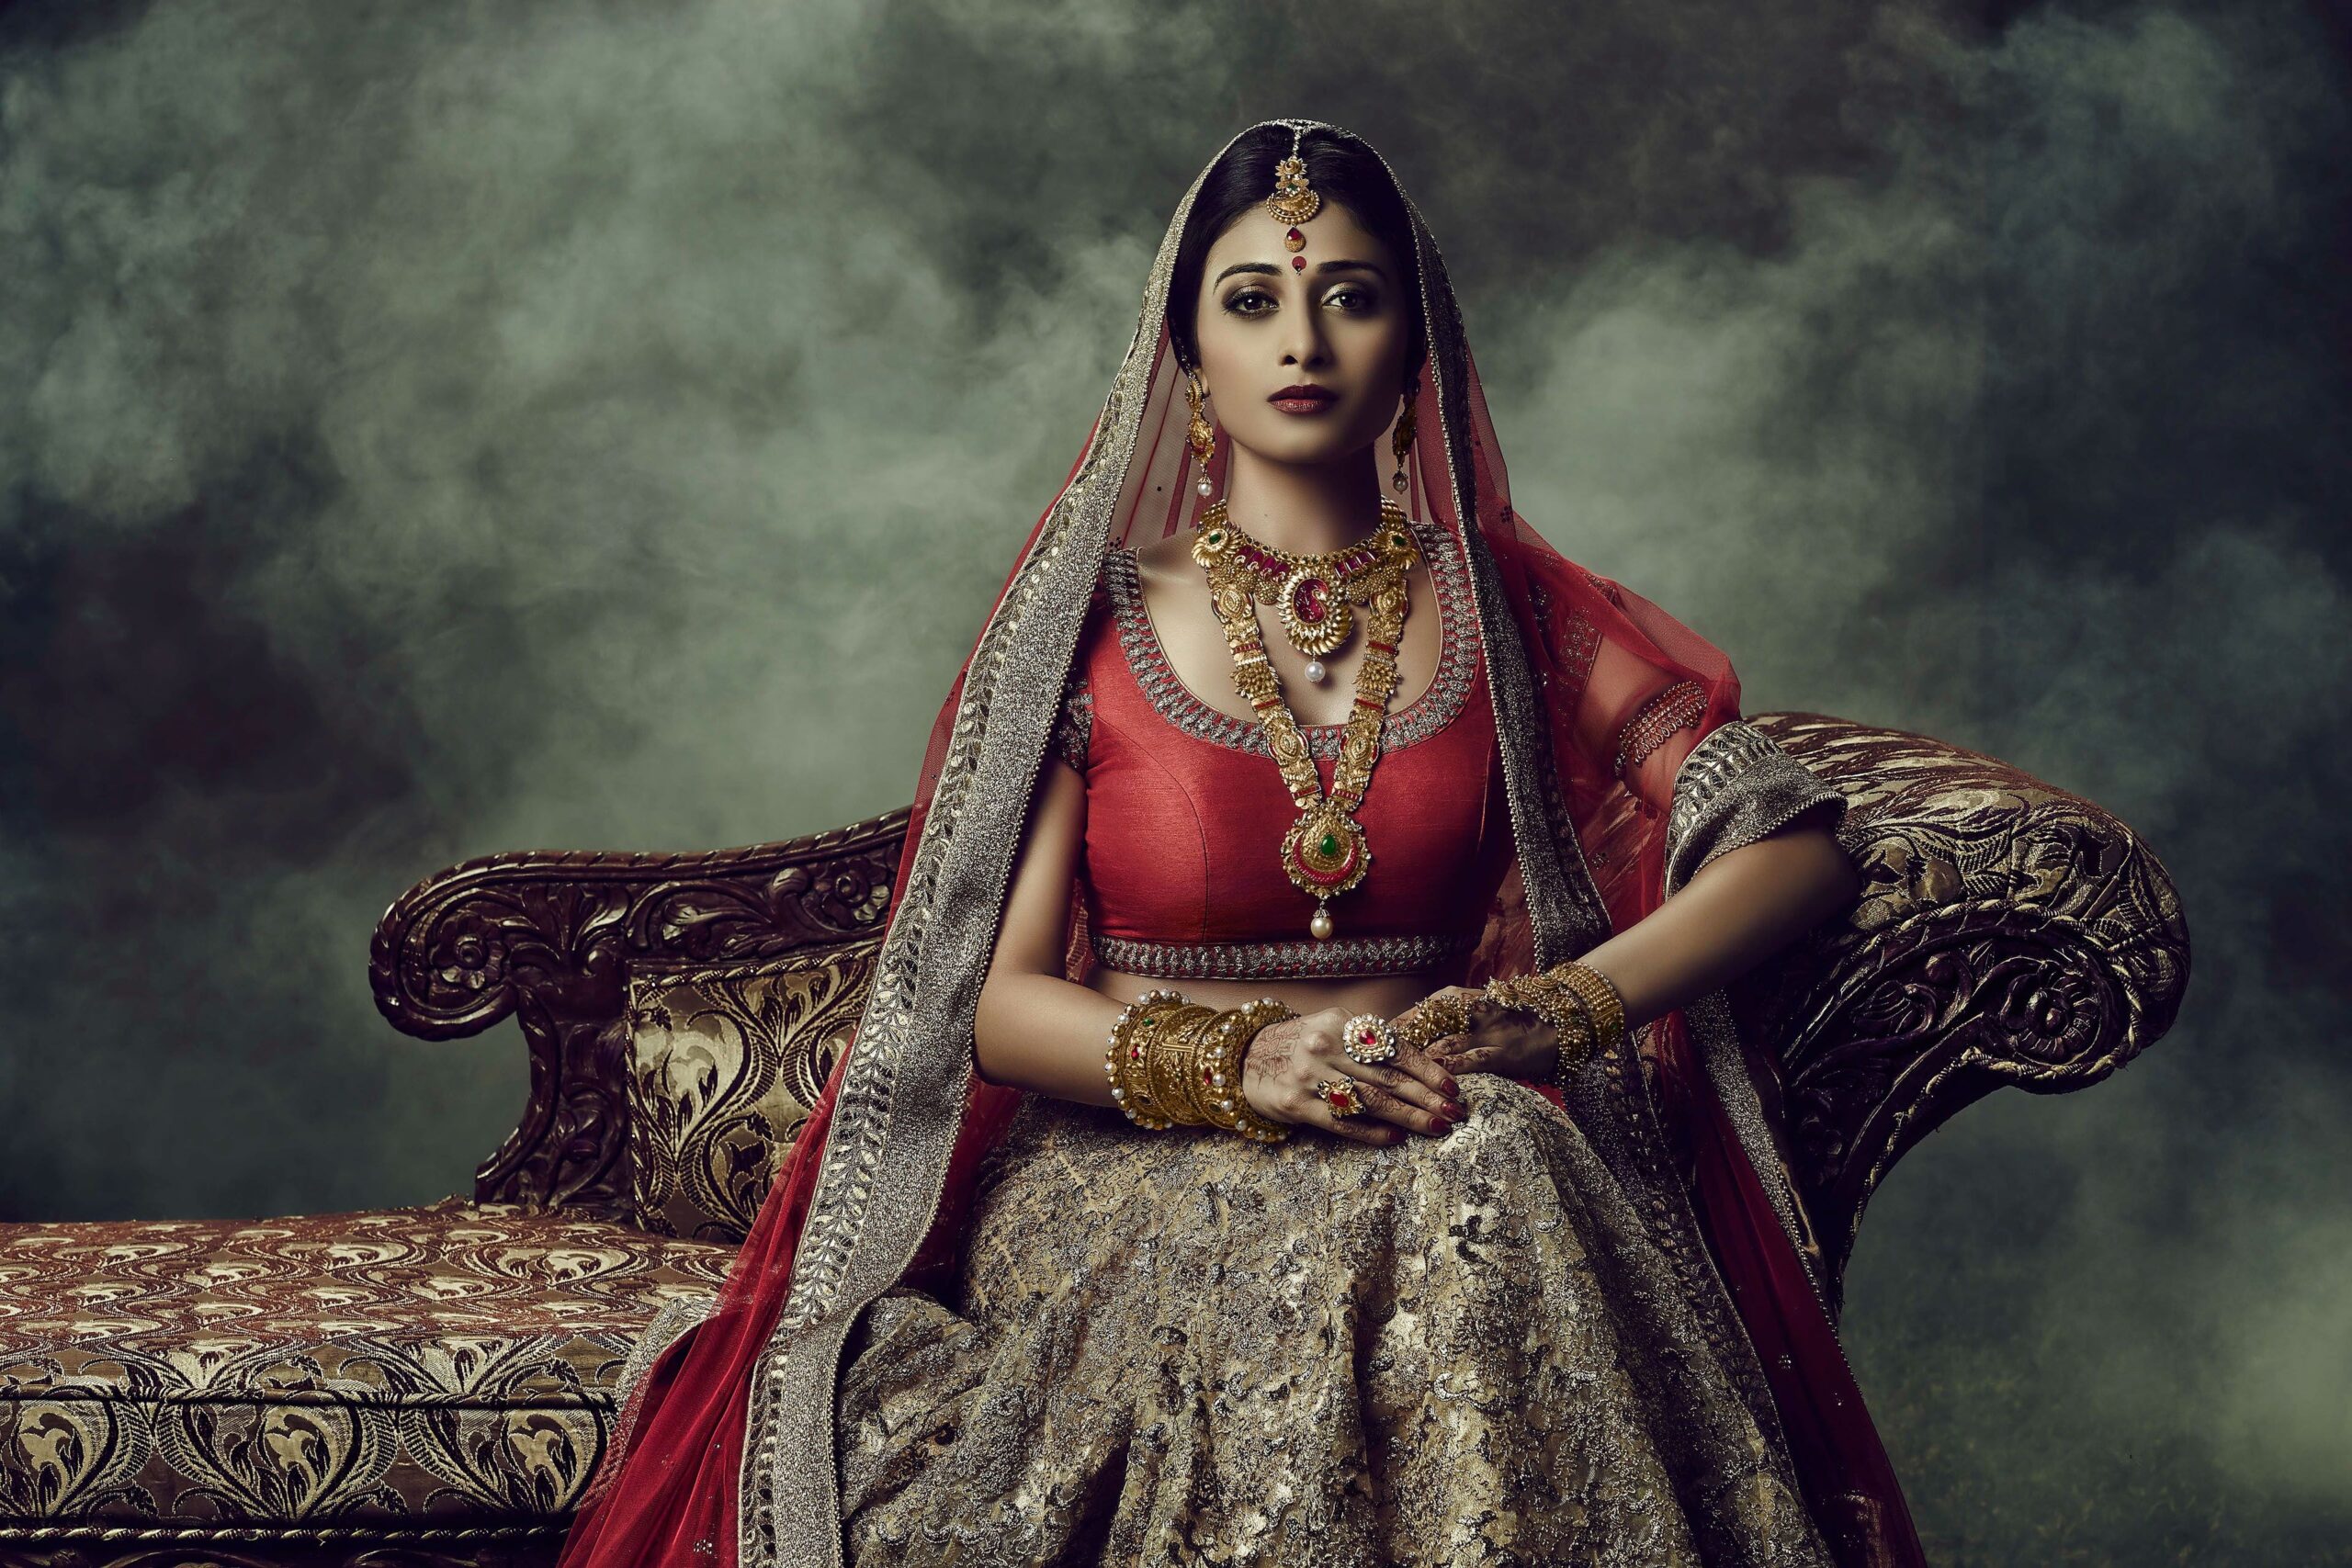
1183,1346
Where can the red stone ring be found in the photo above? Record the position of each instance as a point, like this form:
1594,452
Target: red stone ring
1340,1094
1368,1038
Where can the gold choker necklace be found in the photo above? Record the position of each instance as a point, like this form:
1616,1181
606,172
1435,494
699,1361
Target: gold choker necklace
1315,593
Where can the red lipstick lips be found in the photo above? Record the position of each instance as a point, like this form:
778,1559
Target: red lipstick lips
1304,396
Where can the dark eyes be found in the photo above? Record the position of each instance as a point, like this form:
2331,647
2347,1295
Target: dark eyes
1364,299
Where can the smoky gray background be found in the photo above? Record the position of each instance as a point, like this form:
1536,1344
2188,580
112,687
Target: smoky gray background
436,429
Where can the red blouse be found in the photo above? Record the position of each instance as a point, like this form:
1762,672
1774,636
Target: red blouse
1185,810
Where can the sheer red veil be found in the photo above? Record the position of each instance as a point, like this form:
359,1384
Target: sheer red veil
724,1450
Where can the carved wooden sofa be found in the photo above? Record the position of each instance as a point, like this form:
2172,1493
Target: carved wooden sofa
432,1384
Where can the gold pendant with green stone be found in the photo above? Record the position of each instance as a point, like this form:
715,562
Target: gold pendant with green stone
1325,854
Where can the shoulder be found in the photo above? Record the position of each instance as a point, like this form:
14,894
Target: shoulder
1074,717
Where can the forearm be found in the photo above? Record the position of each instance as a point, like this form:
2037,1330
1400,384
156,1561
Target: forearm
1043,1033
1744,907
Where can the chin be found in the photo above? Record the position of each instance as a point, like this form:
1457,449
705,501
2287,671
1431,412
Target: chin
1309,449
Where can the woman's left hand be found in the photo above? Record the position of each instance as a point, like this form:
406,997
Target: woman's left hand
1498,1040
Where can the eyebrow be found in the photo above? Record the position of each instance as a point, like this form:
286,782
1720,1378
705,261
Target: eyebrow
1271,270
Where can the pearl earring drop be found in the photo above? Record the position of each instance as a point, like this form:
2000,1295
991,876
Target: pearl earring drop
1199,434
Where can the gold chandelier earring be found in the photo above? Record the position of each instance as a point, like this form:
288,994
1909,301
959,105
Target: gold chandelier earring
1200,434
1402,442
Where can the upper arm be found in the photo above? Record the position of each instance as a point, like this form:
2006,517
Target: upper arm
1035,936
1637,720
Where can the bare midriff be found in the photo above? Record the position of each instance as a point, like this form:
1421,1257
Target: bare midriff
1387,994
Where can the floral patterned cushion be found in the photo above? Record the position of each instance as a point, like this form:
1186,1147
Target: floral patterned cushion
397,1368
725,1063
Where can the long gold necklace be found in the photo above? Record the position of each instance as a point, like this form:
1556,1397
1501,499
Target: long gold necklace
1315,593
1325,852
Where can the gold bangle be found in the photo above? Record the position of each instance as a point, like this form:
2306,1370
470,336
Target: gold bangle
1573,1045
1229,1038
1172,1061
1598,995
1247,1121
1125,1061
1174,1044
1215,1076
1548,998
1162,1038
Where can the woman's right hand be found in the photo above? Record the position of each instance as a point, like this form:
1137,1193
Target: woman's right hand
1287,1058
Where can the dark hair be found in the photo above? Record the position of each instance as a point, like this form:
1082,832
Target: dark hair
1340,171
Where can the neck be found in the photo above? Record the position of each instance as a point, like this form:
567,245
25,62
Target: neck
1304,510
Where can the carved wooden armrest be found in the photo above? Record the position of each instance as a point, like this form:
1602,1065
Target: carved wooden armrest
2009,933
547,936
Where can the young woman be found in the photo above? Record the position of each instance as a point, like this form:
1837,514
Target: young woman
1381,1178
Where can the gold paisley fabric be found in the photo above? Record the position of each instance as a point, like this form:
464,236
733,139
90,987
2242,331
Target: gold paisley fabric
1185,1347
446,1362
725,1063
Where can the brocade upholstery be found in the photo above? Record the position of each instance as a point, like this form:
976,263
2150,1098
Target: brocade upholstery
447,1364
726,1062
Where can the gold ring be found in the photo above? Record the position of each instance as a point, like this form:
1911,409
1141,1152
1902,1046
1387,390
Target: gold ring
1369,1039
1340,1094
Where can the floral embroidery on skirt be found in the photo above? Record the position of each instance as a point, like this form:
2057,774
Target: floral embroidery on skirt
1185,1347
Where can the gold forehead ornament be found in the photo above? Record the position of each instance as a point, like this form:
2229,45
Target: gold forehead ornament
1294,201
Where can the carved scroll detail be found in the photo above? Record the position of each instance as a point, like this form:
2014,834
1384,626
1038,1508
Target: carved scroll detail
547,936
2009,933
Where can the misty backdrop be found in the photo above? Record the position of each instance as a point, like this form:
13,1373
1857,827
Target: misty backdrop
439,428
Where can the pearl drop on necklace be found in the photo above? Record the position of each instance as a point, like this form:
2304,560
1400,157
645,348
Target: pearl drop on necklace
1315,671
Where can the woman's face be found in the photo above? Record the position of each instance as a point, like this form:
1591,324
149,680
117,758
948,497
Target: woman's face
1263,325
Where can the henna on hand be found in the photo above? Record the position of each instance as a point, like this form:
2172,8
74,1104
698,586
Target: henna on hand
1499,1039
1288,1058
1281,1068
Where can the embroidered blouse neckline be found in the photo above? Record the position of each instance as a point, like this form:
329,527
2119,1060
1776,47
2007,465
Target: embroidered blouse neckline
1416,721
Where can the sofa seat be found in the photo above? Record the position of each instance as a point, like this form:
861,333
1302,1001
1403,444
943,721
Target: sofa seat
437,1368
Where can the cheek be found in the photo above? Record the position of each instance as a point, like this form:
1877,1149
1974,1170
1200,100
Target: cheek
1222,366
1373,356
1382,343
1214,331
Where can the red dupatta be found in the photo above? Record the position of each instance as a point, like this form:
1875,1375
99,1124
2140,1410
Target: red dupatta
723,1451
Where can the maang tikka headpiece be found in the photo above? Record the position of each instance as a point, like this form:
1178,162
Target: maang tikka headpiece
1294,201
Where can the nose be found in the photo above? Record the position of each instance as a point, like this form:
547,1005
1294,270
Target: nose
1303,343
